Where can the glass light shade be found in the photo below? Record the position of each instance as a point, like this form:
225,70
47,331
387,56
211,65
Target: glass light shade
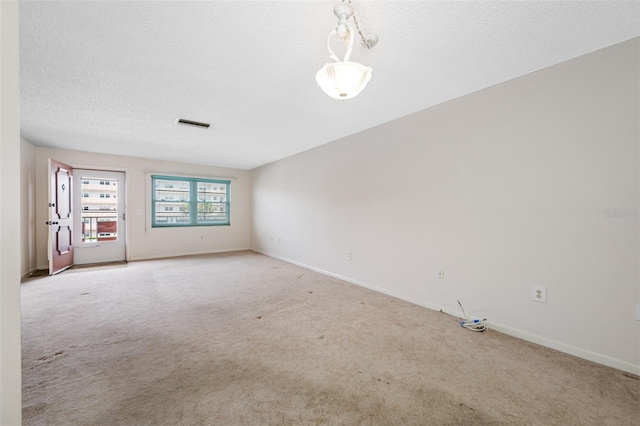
343,80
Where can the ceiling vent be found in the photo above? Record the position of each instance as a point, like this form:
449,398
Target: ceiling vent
192,123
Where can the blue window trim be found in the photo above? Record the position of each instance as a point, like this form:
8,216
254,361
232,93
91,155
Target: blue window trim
193,201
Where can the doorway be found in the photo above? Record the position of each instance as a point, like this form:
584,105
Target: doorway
99,202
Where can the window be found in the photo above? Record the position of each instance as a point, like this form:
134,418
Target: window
178,201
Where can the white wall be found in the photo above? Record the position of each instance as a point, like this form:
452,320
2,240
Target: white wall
10,369
145,242
27,207
505,188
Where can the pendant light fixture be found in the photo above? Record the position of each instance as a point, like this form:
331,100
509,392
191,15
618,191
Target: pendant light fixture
344,79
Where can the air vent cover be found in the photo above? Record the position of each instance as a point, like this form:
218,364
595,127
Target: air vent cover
192,123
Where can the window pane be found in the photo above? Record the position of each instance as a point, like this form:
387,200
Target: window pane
172,213
99,216
171,190
212,213
211,191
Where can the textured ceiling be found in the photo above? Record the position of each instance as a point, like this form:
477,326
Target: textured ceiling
113,76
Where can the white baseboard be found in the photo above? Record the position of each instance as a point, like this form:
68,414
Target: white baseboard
566,348
195,253
529,337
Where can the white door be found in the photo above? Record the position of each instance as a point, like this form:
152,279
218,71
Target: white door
99,205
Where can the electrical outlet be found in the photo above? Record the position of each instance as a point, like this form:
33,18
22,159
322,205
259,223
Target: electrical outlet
638,312
441,274
539,294
349,255
272,239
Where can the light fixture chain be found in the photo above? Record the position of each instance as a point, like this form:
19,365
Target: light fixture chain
355,21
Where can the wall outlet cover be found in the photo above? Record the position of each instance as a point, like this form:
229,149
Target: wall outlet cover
539,294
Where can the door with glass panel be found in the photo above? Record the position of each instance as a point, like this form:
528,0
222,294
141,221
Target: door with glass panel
99,205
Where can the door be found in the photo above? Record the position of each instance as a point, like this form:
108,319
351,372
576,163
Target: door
60,247
99,205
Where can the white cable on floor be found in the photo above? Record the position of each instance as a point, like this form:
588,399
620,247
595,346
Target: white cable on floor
473,325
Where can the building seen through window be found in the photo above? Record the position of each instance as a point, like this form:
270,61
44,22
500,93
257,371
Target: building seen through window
180,201
99,209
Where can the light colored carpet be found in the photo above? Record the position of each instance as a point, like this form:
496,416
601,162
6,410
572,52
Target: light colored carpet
243,339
